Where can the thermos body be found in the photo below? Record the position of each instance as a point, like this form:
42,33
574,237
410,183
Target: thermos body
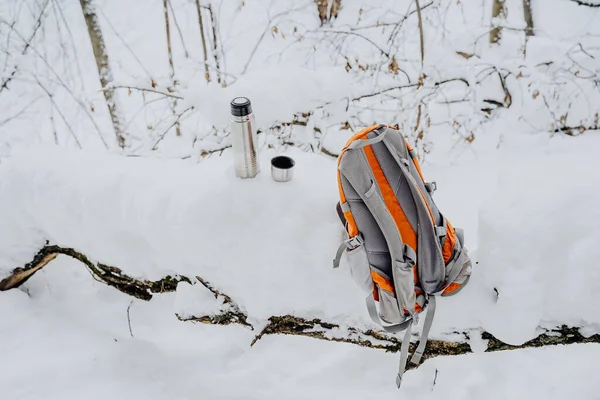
244,138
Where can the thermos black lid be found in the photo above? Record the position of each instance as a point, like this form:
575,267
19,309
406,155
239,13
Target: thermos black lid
240,106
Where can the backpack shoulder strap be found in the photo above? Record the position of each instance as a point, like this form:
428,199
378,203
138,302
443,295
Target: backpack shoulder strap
357,168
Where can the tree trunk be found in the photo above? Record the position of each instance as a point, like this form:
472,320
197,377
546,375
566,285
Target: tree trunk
104,71
171,66
498,12
203,37
322,9
335,8
418,5
213,21
528,17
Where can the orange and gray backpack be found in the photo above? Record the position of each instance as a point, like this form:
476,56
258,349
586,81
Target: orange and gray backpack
400,249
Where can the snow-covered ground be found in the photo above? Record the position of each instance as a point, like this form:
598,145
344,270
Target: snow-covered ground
269,246
525,195
70,339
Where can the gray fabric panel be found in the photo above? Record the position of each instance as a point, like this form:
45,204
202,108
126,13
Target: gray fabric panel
397,181
430,262
374,239
349,191
372,138
355,168
396,139
418,353
377,249
403,355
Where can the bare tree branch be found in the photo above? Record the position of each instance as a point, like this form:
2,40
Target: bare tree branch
586,4
38,23
148,90
51,97
185,51
176,122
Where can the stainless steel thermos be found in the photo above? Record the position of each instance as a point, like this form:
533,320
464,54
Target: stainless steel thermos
244,138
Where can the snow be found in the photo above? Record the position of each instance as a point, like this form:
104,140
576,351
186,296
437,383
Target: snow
537,245
525,195
269,245
73,341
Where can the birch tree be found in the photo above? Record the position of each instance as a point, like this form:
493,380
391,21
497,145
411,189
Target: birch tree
104,71
498,12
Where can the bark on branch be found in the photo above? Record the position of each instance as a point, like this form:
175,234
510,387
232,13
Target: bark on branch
586,4
318,329
112,276
281,325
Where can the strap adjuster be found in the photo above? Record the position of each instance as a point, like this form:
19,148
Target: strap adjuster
440,231
353,242
430,186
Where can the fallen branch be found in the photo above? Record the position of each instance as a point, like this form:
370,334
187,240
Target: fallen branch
570,130
318,329
282,325
141,289
112,276
586,4
231,316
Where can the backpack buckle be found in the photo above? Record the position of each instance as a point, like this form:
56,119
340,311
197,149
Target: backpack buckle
353,242
431,186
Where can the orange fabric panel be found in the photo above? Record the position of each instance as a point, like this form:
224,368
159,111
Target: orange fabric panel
406,231
449,243
416,161
382,282
352,229
358,135
451,288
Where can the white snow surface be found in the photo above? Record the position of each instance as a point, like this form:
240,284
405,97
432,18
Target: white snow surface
269,245
528,201
70,339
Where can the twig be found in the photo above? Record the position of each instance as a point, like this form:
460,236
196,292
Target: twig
129,319
568,130
409,86
586,4
185,51
27,44
205,153
19,113
162,136
399,24
267,29
148,90
51,97
111,26
385,53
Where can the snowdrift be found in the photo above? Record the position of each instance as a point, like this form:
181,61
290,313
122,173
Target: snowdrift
269,246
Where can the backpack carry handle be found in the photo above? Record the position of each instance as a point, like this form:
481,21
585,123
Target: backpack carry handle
359,144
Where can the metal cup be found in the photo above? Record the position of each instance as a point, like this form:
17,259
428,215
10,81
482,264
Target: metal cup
282,168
